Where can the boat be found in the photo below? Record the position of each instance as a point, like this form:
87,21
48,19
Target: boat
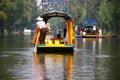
56,44
89,30
27,31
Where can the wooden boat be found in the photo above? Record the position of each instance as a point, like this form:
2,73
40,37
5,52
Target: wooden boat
56,44
89,30
89,36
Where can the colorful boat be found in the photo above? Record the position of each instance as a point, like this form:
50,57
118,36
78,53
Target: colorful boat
56,44
89,29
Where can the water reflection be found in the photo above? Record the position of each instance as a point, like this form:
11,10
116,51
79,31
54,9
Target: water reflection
94,59
90,60
53,66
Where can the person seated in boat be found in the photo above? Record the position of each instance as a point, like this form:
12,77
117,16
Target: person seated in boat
49,34
65,37
84,33
59,34
64,32
76,30
43,29
79,31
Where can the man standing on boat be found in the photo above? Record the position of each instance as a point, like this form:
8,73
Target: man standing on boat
100,32
43,29
94,29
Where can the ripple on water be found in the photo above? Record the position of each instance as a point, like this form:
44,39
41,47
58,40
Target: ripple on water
103,56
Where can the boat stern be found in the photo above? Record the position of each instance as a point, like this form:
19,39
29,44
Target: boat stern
55,48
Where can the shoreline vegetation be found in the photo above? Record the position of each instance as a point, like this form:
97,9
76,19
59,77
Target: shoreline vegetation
15,32
18,14
107,34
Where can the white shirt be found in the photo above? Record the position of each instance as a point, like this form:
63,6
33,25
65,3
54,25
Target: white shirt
41,24
94,28
84,33
100,31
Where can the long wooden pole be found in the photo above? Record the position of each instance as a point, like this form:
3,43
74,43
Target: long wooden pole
35,48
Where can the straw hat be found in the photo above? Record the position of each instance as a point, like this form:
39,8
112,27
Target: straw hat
39,19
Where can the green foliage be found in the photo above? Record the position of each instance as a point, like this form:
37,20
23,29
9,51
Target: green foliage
106,12
3,17
116,15
78,12
84,9
17,14
91,8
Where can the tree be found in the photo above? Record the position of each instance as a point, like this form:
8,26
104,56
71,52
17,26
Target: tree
78,11
104,16
17,14
116,15
92,7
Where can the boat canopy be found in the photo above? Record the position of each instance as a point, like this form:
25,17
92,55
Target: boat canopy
49,15
89,22
68,21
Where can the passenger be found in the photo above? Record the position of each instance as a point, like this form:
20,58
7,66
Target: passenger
76,29
64,32
48,33
84,33
58,34
79,31
64,36
43,29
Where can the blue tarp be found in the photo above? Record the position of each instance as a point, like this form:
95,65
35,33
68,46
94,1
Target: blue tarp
88,22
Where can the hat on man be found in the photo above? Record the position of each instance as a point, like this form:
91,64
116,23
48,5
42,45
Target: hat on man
39,19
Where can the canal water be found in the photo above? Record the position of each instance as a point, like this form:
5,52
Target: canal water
92,59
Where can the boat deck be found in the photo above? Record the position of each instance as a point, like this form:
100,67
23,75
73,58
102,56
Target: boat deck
88,36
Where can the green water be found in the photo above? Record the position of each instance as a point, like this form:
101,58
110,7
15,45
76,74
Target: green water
93,59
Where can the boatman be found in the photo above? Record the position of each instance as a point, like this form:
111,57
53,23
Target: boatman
100,33
43,29
94,29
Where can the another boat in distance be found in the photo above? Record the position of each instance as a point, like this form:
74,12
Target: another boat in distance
89,29
27,31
